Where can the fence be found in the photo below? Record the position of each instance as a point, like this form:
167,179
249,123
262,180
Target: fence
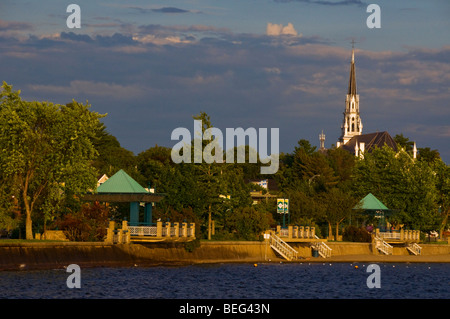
161,230
297,232
413,235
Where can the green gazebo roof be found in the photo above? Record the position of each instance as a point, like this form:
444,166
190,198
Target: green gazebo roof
370,202
122,183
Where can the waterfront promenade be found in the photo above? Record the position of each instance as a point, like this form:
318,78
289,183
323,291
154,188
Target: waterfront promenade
40,255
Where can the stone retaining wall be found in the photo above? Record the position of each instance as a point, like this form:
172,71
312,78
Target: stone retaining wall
57,255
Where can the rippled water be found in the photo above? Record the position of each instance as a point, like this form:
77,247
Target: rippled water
234,281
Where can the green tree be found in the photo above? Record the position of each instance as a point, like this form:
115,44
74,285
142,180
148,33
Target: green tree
401,183
111,155
47,150
343,163
442,178
337,206
428,155
208,175
404,142
248,222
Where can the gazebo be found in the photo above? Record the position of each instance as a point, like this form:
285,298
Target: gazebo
372,206
121,188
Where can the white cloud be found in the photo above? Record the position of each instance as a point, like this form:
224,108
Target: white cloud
278,29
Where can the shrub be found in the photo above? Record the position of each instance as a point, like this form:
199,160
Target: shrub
89,224
356,234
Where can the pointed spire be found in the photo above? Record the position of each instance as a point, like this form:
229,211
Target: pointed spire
352,81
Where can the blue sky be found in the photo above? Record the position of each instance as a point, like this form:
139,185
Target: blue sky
151,65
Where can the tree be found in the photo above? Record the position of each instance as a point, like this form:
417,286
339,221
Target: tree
442,178
208,175
111,155
404,142
337,206
343,163
248,222
428,155
47,150
402,184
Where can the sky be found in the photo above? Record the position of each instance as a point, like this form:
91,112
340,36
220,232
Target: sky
152,65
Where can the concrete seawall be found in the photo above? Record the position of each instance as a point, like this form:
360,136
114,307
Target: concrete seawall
57,255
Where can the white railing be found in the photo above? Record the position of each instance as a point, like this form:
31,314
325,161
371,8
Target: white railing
166,231
414,248
282,247
142,230
301,232
383,246
389,235
323,249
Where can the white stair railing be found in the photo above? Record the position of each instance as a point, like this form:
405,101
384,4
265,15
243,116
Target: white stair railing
383,246
323,249
414,248
282,247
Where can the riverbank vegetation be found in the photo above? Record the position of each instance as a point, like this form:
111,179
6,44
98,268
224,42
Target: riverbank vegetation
51,154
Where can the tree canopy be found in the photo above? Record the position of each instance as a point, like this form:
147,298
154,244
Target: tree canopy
52,153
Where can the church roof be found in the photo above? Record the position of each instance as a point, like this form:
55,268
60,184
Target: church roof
371,140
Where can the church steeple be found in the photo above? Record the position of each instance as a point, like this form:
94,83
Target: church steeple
352,81
351,125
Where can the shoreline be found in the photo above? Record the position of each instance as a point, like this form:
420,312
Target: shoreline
58,255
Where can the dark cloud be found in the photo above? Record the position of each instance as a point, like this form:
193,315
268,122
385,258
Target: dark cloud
167,10
149,86
170,10
328,3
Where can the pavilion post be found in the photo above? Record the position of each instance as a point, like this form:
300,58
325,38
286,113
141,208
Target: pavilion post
148,214
134,213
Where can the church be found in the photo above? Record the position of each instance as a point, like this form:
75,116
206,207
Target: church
352,138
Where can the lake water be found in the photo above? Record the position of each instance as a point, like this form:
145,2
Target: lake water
234,281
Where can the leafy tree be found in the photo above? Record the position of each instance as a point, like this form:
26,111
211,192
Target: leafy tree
401,183
442,179
343,163
428,155
47,150
404,142
112,156
248,222
337,206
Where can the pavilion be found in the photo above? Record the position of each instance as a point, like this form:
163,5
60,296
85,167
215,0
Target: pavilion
122,188
372,206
